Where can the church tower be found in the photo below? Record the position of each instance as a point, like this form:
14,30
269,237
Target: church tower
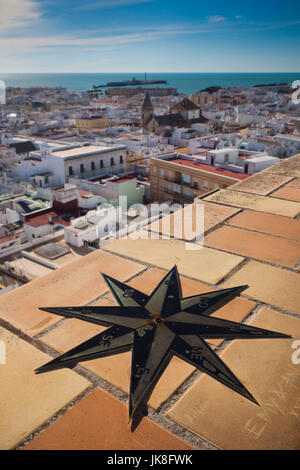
147,110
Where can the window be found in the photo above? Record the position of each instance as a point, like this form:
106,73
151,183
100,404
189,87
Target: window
121,159
154,170
101,164
185,179
81,168
205,184
162,172
112,162
93,166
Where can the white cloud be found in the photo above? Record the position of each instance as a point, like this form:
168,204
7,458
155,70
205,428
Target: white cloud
100,5
216,18
80,41
16,14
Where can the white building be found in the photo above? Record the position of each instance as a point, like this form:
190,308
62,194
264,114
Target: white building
96,224
290,142
54,166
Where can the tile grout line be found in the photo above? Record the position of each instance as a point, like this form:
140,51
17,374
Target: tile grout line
250,258
259,231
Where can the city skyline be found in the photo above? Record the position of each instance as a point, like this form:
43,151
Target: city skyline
155,35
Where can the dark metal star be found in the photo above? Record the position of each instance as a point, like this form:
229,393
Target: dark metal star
156,327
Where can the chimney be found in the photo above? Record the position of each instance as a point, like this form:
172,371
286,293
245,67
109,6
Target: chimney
50,220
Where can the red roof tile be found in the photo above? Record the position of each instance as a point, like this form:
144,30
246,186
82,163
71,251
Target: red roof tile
7,238
44,220
210,169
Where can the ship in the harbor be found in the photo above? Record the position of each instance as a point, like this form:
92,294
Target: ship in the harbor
132,82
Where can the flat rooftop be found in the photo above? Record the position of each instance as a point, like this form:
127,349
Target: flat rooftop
251,237
76,152
209,168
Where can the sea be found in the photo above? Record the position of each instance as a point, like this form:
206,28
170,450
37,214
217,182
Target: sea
184,82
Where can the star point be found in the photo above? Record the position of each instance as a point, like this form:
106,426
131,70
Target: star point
155,328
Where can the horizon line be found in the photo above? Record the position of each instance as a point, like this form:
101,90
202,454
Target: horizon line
183,73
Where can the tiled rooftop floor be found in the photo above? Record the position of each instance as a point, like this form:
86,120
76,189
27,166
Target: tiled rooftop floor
264,367
254,240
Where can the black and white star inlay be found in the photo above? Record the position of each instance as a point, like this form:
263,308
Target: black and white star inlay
155,328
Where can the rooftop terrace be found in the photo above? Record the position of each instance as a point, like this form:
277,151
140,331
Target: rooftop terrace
252,236
209,168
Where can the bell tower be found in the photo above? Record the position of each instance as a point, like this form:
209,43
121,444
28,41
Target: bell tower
147,110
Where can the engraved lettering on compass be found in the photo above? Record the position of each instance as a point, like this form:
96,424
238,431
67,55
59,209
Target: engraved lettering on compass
203,303
128,293
106,340
195,354
143,331
141,371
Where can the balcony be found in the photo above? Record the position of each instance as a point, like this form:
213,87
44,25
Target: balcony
185,183
172,180
171,191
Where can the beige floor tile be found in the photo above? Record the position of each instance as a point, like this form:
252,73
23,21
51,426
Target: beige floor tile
261,183
203,264
275,286
255,202
288,167
187,224
264,366
295,183
28,400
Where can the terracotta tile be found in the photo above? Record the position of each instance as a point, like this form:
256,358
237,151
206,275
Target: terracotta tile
295,183
77,283
291,194
28,400
288,167
255,202
99,422
186,223
255,245
264,366
203,264
274,286
267,223
261,183
116,369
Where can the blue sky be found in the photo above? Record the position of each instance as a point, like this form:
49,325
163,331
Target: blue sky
149,35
